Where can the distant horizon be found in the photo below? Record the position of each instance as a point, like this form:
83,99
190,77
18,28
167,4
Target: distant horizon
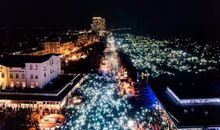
158,16
195,35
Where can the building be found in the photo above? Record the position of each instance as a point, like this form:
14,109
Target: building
52,99
86,40
21,71
52,48
35,82
191,100
98,24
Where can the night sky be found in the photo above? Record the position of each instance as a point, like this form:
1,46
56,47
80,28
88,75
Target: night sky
159,16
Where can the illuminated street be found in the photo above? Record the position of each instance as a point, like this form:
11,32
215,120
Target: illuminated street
110,65
103,108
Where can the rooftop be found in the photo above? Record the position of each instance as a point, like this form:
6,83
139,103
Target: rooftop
204,85
20,60
53,92
196,89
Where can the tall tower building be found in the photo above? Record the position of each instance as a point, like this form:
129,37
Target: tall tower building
98,24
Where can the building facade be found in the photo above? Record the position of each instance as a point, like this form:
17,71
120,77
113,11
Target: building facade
21,71
55,100
98,24
52,48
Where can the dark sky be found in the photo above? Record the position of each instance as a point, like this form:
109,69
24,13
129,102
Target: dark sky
201,16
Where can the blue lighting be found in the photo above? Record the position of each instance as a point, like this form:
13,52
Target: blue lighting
151,99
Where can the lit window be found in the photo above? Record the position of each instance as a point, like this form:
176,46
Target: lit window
32,85
36,84
23,84
12,85
3,86
35,67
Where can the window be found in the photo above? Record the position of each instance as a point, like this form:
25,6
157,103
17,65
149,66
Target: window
3,86
3,75
45,68
35,67
11,76
16,75
1,67
45,75
31,77
32,85
17,84
23,84
36,84
12,85
51,61
36,76
31,67
22,76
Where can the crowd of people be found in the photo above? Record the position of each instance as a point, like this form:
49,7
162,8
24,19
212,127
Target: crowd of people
12,118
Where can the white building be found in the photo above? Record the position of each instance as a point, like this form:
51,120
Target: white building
21,71
41,100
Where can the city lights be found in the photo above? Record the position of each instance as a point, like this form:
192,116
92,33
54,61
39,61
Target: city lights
110,65
156,57
104,108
